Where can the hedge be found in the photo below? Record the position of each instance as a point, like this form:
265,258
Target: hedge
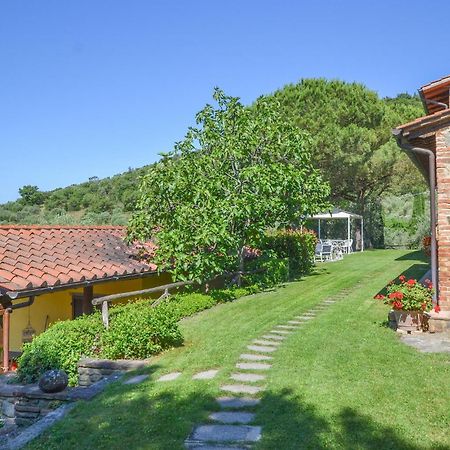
296,246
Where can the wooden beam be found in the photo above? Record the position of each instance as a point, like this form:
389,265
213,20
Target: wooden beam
6,319
88,296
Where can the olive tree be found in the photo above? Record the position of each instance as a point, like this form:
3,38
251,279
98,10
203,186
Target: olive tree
237,173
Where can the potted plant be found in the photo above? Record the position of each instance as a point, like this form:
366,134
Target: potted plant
409,300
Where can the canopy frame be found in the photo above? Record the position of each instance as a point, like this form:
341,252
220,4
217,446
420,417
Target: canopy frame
340,214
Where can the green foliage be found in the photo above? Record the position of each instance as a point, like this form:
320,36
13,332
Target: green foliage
61,346
96,202
138,331
30,195
409,295
295,245
184,305
242,171
406,219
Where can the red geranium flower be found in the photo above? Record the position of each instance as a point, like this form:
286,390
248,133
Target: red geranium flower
424,306
437,308
402,278
397,305
411,282
379,297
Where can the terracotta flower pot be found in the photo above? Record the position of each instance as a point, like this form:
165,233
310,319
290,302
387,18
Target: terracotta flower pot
409,320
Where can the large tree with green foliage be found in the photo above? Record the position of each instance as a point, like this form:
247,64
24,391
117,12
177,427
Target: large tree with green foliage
239,172
351,129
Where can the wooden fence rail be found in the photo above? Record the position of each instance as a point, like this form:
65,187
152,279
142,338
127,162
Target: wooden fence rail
165,288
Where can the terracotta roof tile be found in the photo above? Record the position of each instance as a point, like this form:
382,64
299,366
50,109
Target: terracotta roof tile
425,121
37,256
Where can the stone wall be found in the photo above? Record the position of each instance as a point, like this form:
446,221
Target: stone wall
92,370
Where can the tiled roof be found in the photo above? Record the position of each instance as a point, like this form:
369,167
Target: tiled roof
425,121
436,94
33,257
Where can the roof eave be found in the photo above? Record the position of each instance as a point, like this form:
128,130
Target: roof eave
14,295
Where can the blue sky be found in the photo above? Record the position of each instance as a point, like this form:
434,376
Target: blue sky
92,87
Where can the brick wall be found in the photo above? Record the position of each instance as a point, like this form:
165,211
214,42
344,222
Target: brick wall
443,211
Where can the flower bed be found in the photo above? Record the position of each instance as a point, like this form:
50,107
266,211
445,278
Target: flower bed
409,299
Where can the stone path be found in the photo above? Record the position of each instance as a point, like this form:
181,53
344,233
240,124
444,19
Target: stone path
232,427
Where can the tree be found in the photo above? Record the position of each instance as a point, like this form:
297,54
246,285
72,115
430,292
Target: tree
351,128
240,172
30,195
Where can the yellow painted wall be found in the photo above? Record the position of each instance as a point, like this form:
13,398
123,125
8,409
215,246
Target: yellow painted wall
49,308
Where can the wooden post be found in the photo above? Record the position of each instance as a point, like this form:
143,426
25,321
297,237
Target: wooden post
6,317
105,314
88,295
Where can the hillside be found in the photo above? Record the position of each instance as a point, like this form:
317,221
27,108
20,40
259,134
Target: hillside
94,202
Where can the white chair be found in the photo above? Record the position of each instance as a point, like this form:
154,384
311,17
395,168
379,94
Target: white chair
348,246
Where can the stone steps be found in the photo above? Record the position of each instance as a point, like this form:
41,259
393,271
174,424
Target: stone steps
224,435
247,377
265,342
253,357
241,389
232,417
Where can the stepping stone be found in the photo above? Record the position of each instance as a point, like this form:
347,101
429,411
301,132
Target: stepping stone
169,377
274,337
287,327
225,433
304,317
295,322
136,379
329,302
232,417
251,357
253,366
281,332
265,342
206,375
241,389
195,446
250,377
237,402
261,348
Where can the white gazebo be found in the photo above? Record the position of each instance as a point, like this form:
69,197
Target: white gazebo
344,215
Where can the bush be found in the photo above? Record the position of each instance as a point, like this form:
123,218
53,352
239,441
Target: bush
184,305
60,347
137,331
294,245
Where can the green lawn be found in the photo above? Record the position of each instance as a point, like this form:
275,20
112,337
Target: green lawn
343,381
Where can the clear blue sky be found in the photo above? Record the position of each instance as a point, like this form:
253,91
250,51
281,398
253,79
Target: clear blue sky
92,87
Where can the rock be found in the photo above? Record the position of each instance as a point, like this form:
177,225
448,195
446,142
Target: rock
53,381
8,408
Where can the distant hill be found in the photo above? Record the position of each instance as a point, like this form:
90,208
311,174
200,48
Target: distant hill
96,201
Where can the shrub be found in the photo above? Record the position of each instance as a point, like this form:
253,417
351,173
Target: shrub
60,347
184,305
137,331
295,245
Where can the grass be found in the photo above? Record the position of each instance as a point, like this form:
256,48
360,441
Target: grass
344,381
